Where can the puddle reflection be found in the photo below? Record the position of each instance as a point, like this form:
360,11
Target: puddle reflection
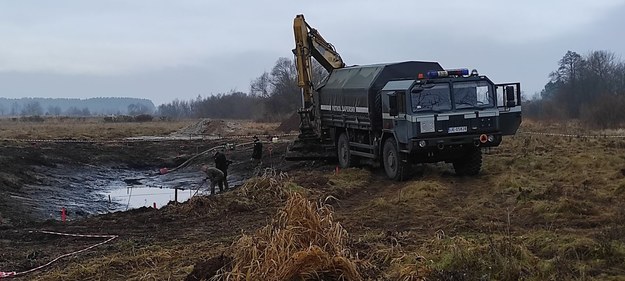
142,196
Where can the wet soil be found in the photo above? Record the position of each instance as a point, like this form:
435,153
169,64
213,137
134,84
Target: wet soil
38,179
45,177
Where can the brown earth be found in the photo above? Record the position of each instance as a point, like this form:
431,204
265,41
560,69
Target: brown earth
210,127
289,125
218,127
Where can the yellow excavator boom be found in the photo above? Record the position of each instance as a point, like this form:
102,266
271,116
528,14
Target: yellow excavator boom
310,44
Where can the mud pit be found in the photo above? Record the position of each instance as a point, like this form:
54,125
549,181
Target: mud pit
89,179
85,190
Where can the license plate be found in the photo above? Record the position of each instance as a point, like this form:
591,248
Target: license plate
457,129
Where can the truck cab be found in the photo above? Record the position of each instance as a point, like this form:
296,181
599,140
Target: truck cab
449,116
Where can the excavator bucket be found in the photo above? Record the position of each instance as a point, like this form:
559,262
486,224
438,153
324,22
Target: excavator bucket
308,145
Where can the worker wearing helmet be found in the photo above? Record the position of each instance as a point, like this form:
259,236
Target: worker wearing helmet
215,176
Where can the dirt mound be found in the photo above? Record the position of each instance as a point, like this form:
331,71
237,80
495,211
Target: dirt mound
210,127
206,269
302,242
289,125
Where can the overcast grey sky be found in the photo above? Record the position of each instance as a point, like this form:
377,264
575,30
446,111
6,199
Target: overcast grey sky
162,50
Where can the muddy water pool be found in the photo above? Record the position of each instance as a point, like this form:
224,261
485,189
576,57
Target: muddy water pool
90,190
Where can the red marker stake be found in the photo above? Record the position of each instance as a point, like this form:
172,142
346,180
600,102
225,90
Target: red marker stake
154,205
63,214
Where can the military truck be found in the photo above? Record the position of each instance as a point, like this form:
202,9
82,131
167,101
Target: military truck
398,114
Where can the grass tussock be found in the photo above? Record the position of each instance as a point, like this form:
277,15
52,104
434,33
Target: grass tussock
418,190
131,260
349,180
302,242
495,258
270,186
389,259
270,189
408,267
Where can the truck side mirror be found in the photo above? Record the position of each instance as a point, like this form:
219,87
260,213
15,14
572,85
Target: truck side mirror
510,96
392,105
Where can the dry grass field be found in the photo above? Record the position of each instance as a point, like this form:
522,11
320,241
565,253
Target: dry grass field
544,208
94,128
89,128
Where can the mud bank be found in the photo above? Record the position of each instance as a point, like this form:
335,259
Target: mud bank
85,190
88,179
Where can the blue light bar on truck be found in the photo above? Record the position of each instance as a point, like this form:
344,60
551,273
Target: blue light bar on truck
447,73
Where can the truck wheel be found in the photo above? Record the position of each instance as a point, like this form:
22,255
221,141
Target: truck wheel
393,160
342,149
470,164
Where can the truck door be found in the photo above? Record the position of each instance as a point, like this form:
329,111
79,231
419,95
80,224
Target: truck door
509,105
395,115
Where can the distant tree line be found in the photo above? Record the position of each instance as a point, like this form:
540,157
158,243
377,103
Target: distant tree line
272,95
233,105
590,88
75,107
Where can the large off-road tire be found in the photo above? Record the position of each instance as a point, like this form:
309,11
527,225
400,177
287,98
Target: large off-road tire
470,164
342,149
393,160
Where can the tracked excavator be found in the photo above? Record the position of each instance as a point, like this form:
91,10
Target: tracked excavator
397,114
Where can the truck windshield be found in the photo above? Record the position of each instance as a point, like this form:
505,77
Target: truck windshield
436,98
474,94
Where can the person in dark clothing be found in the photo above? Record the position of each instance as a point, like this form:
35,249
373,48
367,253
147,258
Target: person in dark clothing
257,153
215,176
222,164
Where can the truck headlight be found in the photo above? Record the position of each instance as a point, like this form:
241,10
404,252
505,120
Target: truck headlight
422,143
491,138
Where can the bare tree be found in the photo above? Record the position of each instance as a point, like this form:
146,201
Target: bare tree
261,86
590,87
568,69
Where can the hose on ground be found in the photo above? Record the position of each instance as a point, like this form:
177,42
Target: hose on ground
185,163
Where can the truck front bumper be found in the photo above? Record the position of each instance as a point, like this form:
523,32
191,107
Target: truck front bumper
453,142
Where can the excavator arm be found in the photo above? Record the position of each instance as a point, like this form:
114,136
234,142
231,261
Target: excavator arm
310,44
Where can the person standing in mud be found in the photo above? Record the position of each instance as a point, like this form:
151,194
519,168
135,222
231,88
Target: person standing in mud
222,164
257,152
215,176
